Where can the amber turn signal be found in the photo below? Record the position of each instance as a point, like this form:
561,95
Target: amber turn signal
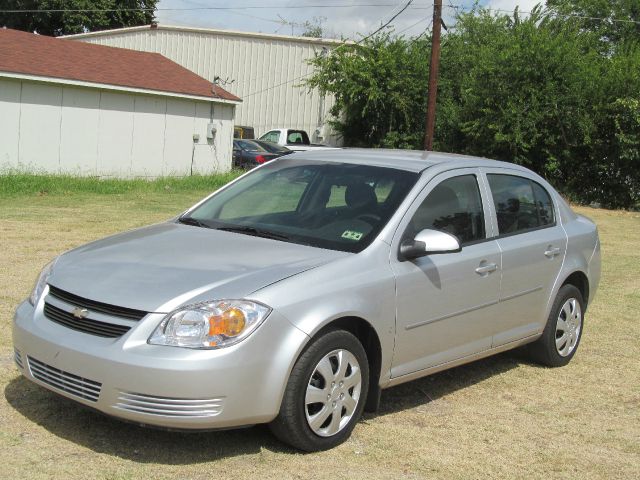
230,323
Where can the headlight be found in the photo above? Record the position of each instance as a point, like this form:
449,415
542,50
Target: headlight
213,324
38,288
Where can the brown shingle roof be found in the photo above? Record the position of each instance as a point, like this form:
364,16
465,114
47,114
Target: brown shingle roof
31,54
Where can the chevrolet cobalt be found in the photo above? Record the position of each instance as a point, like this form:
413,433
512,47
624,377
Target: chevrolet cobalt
296,293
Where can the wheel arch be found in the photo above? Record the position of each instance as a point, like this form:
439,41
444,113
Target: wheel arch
370,340
579,280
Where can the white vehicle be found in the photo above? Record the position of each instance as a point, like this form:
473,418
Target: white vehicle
296,140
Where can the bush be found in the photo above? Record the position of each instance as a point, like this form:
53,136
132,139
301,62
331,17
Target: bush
542,91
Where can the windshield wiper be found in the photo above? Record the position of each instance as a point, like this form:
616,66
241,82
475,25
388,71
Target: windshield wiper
254,232
193,221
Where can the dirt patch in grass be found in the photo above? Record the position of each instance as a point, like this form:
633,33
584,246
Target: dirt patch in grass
497,418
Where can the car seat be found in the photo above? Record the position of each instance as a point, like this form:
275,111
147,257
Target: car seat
361,198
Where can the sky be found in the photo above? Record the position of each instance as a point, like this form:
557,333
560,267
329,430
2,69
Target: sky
339,18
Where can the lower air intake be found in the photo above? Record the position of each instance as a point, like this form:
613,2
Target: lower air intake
169,407
64,381
17,358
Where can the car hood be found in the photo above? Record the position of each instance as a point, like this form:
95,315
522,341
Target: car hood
161,267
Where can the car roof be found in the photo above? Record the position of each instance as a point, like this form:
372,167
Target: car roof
410,160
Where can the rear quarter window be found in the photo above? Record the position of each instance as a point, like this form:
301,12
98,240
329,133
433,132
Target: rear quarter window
521,204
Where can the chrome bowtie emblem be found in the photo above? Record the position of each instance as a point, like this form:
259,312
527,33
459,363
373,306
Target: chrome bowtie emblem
80,312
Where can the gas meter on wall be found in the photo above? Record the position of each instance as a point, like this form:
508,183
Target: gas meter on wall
212,128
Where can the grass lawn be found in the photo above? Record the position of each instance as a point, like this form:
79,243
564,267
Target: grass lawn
497,418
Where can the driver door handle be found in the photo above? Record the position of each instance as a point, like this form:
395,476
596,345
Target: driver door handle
488,268
552,252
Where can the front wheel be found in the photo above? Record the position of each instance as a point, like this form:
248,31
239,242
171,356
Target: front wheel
325,395
561,336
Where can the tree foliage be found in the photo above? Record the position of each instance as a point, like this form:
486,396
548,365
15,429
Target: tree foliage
613,20
541,91
69,17
376,85
313,28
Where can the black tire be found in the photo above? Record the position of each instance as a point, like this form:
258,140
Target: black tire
544,350
291,425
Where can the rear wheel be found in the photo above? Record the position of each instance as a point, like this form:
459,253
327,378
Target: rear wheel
561,337
325,394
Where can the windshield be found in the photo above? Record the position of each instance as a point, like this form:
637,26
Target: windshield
249,146
328,205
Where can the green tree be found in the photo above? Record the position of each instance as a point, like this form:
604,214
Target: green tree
540,91
69,17
378,89
313,28
520,89
614,21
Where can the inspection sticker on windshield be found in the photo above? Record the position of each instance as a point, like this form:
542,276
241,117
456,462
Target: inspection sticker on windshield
351,235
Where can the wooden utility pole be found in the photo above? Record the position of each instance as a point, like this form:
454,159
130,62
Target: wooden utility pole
433,74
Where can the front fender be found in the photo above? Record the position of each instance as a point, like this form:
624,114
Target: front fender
361,285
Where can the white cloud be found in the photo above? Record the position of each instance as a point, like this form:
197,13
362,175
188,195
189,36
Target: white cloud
350,22
510,5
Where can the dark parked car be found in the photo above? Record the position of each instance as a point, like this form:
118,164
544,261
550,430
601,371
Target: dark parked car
273,147
249,153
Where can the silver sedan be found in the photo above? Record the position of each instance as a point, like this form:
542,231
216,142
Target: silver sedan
295,294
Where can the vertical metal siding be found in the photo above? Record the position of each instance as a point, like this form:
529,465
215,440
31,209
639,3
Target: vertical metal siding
55,128
10,93
255,64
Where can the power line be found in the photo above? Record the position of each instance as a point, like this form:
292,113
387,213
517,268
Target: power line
299,7
301,77
413,25
394,10
196,4
386,24
425,30
175,9
556,14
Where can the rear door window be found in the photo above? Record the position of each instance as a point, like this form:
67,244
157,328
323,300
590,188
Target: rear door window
521,204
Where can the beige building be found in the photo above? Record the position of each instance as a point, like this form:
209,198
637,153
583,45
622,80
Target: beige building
264,70
71,107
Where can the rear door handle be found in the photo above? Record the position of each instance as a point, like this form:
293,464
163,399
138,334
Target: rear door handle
551,252
488,268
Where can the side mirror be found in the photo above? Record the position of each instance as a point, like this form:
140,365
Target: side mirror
429,242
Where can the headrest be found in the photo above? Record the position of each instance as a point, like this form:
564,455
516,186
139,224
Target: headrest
359,195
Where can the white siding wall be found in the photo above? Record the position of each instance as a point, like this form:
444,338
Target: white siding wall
266,72
40,125
9,122
79,148
55,128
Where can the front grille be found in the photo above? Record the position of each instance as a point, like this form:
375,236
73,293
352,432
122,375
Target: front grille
17,358
86,325
169,407
64,381
114,311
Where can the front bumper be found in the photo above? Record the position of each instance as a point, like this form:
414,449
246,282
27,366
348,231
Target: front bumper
156,385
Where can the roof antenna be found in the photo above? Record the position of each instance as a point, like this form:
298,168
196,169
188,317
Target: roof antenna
217,80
